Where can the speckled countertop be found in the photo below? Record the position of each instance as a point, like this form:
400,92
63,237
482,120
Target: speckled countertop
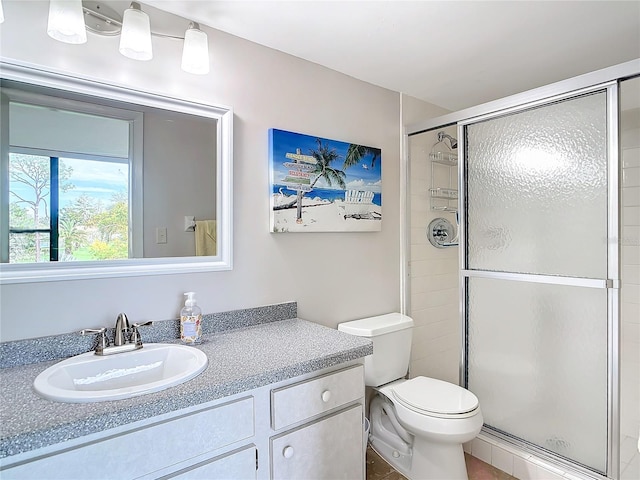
239,360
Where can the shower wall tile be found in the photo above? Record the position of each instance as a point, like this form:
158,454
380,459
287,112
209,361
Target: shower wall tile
434,283
631,215
441,365
434,266
502,459
481,449
630,276
435,298
630,177
630,235
631,254
630,196
434,288
523,469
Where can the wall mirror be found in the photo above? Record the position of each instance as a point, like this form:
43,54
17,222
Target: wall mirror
103,181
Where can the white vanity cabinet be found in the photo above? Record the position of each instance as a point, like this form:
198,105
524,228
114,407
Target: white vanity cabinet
330,444
306,427
188,439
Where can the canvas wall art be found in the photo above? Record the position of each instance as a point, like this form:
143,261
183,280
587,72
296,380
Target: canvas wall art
323,185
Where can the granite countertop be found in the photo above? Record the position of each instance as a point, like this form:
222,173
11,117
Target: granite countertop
239,360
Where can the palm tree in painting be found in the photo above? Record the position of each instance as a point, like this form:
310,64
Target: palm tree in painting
325,157
355,153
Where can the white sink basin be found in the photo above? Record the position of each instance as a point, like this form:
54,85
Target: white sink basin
94,378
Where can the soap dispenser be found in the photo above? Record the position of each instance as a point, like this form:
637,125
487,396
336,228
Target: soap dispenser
191,321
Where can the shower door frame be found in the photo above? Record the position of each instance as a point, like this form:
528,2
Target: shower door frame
611,283
607,78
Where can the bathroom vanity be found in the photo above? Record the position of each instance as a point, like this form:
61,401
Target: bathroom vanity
281,400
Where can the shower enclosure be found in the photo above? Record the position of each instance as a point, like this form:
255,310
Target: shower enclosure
539,267
538,272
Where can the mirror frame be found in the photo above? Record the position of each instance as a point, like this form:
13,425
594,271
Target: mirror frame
43,272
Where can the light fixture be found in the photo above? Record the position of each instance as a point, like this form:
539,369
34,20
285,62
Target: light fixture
69,21
195,52
66,21
135,38
1,12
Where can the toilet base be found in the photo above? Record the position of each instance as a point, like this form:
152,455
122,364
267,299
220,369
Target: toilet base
400,461
437,461
442,462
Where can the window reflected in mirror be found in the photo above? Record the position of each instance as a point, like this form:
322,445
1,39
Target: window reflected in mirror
67,209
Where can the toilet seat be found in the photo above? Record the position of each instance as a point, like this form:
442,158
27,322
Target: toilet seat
435,398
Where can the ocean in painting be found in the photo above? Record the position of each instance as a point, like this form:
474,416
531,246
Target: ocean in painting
329,194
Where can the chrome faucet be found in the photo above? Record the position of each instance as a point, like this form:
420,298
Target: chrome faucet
121,332
126,337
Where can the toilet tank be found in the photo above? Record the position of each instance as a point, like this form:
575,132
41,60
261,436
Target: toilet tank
391,336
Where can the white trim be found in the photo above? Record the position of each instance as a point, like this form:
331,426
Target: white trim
613,273
22,273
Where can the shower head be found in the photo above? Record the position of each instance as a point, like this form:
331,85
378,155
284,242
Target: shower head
452,141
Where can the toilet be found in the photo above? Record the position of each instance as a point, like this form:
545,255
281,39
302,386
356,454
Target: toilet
419,425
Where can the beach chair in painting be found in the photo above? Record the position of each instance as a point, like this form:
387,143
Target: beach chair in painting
358,204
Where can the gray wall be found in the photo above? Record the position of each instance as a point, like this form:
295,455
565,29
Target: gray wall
179,179
333,277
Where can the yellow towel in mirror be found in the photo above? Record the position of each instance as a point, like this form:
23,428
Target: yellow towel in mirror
206,237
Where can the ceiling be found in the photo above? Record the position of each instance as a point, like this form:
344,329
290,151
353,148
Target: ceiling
454,54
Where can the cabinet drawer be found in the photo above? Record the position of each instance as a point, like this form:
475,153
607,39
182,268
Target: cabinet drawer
151,448
307,399
239,465
331,448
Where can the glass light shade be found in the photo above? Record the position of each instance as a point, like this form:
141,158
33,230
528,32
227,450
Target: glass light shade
195,53
66,21
135,39
1,12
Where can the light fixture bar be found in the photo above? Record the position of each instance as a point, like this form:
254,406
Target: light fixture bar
101,19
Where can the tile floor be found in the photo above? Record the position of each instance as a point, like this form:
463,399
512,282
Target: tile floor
629,459
378,469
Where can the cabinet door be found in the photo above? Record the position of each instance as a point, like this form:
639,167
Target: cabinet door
328,449
239,465
147,449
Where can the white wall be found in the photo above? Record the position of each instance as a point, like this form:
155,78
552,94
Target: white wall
334,277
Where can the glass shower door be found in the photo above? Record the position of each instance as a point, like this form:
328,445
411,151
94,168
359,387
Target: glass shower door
536,265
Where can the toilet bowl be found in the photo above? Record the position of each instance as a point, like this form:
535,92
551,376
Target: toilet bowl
435,417
418,425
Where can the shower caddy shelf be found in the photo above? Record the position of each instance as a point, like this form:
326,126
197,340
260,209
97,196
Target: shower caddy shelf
445,196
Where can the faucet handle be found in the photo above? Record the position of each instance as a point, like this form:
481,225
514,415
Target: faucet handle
103,340
135,334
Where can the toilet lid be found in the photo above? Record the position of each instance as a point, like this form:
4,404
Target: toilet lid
435,396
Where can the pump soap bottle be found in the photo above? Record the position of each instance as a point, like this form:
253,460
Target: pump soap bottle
191,321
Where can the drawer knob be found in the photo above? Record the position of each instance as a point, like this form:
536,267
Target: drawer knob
287,452
326,396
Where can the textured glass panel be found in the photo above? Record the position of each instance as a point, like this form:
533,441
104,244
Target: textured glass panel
538,364
537,190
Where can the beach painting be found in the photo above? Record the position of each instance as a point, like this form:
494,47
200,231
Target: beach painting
322,185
